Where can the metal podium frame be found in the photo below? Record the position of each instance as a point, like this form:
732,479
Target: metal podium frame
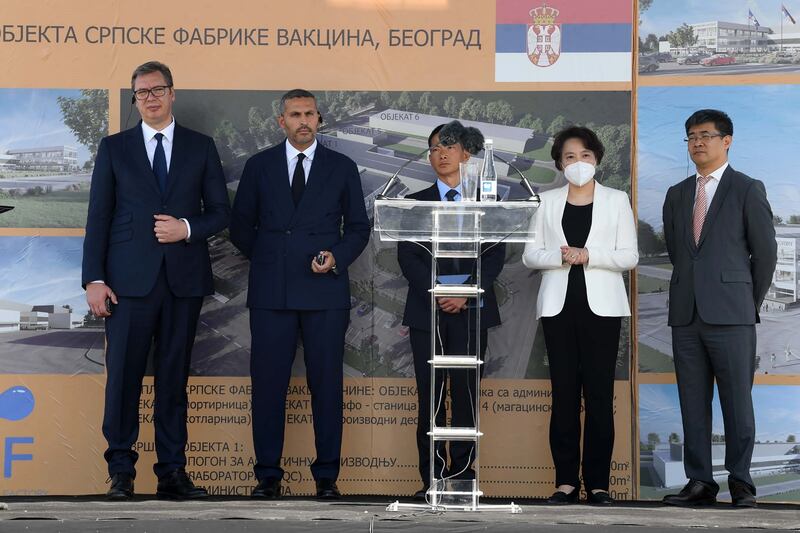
455,230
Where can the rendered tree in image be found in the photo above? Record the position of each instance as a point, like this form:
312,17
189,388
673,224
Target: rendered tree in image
87,117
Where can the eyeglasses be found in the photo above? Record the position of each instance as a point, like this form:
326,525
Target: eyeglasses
705,137
158,91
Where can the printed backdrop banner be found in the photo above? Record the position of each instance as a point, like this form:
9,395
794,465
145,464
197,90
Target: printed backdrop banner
385,73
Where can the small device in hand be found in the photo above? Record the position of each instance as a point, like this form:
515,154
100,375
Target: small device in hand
109,306
320,259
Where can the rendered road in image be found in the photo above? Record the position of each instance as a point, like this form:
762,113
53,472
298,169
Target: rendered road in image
55,351
673,69
778,337
56,182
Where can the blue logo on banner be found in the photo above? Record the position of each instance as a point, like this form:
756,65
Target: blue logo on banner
16,403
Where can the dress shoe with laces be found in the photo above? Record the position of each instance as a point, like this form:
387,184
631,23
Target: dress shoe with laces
742,494
121,487
562,498
177,486
327,489
268,488
600,497
695,494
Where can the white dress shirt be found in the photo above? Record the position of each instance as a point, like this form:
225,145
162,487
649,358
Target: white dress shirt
712,184
291,159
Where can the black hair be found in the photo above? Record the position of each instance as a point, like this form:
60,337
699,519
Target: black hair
294,93
585,135
471,139
721,120
149,68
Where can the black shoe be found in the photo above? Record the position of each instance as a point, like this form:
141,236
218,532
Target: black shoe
268,488
742,494
121,487
694,494
327,489
422,494
177,486
599,498
562,498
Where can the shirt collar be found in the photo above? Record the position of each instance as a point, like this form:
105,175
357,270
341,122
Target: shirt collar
291,151
717,174
443,188
149,132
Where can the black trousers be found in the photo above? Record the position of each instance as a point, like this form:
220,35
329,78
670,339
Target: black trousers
453,339
275,333
705,353
134,325
582,352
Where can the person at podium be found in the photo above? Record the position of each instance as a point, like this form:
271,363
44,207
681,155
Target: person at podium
585,239
449,144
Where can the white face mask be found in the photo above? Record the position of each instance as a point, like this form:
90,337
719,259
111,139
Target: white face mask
579,173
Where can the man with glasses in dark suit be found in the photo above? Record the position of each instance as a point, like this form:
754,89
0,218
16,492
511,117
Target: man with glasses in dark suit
721,242
158,193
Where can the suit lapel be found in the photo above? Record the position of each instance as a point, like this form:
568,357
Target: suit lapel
716,203
687,199
177,159
278,181
136,155
599,202
315,182
559,205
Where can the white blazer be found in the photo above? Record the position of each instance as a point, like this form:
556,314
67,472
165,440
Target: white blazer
612,250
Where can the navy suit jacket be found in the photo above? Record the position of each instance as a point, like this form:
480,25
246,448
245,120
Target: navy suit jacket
727,275
120,246
416,263
281,240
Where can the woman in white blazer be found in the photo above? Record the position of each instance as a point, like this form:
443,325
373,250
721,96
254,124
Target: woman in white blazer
585,238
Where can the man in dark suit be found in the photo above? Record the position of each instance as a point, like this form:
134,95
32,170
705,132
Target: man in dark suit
721,241
299,216
158,192
456,320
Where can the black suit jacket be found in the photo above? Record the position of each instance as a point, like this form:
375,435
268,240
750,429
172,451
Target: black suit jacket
416,263
726,275
281,240
120,246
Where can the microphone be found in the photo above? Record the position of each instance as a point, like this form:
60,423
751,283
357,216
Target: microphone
382,195
523,181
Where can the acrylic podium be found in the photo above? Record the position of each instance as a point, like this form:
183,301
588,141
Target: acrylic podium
455,230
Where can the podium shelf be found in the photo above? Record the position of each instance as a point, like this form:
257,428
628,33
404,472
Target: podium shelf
455,361
455,433
459,290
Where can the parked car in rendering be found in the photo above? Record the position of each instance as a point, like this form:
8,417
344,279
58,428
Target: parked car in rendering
647,64
692,59
717,60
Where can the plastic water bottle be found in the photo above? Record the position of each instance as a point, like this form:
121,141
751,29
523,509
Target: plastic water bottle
488,173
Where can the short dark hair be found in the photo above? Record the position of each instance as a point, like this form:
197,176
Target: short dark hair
149,68
721,120
436,130
294,93
585,135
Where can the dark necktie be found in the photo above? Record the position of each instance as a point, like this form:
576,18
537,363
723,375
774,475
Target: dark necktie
298,179
160,163
451,197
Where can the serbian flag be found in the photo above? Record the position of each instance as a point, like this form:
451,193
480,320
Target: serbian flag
786,14
752,17
563,40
